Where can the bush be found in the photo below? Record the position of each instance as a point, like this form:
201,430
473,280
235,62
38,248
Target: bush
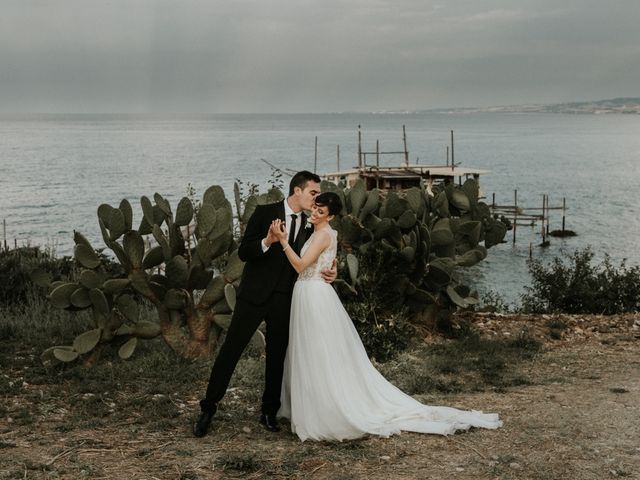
579,286
383,337
377,311
493,301
17,265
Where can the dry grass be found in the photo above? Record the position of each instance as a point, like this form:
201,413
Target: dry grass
571,410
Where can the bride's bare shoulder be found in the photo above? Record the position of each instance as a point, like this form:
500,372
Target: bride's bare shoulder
325,235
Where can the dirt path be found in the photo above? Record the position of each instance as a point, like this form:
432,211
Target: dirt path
578,419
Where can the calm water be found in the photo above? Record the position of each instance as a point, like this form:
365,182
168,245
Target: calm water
56,170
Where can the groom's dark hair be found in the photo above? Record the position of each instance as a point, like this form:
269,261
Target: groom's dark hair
301,178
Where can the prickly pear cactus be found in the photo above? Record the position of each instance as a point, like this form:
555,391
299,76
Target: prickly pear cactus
416,241
167,263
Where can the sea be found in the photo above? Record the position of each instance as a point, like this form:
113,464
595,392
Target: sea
56,169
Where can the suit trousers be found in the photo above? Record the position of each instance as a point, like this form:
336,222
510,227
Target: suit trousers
244,323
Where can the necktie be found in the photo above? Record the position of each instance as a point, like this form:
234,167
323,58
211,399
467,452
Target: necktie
292,230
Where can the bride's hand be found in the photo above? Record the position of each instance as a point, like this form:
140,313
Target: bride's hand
278,229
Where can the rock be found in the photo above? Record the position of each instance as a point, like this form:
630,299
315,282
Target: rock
385,458
246,429
618,390
515,466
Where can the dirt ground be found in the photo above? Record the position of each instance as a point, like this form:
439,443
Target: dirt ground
578,417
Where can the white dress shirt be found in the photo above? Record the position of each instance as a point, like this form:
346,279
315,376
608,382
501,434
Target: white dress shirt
288,211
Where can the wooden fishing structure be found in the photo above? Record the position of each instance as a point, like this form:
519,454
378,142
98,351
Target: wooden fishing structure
398,177
530,216
406,175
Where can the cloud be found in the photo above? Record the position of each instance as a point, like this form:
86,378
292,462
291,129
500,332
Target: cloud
286,55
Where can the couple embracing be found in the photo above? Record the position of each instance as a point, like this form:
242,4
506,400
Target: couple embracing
317,373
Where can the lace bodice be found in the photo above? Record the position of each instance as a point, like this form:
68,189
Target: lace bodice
312,272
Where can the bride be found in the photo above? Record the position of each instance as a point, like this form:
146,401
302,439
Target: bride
330,389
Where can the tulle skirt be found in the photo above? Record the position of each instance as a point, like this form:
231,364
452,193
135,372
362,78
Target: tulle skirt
331,391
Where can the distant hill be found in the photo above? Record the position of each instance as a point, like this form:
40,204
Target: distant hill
626,105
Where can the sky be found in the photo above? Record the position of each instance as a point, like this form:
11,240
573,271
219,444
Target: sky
262,56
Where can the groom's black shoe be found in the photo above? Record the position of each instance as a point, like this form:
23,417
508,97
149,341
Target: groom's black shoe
270,422
202,424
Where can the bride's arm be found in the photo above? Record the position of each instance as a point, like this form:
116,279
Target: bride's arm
320,242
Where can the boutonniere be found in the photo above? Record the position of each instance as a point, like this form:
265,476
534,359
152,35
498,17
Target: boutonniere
308,226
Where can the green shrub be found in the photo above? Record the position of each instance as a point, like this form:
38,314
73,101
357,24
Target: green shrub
377,310
493,301
17,265
580,286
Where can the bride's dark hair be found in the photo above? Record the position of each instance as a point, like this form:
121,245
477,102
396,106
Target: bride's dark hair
330,200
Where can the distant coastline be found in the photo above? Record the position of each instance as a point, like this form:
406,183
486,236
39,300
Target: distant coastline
622,105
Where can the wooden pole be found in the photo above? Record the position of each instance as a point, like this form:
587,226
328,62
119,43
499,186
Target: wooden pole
452,156
530,250
447,155
338,155
377,164
515,213
564,205
493,201
544,200
547,215
406,152
315,157
4,232
359,148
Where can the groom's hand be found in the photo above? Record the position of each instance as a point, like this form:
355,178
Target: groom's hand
270,238
330,274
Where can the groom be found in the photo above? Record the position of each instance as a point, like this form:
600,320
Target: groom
264,294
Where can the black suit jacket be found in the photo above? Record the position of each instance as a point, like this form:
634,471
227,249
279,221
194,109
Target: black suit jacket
263,270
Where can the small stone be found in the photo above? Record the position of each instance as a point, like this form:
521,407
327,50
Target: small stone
495,457
459,469
385,458
618,390
246,429
514,465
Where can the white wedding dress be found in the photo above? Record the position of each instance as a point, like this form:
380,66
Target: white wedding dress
330,389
